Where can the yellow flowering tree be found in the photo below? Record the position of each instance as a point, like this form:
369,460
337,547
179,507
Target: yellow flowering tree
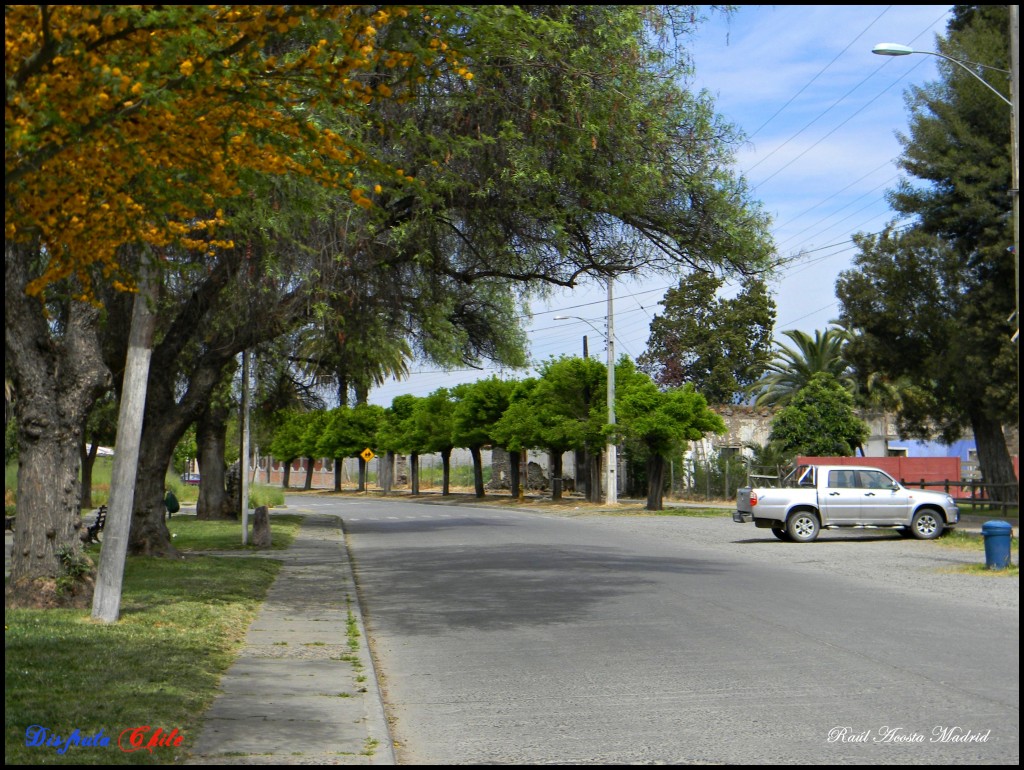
128,130
131,124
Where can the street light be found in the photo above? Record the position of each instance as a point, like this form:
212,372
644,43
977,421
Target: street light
897,49
611,449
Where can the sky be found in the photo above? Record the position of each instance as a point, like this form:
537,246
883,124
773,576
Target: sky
821,114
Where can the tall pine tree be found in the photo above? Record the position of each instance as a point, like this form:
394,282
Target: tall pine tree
931,303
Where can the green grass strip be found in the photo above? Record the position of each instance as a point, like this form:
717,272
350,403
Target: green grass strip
182,624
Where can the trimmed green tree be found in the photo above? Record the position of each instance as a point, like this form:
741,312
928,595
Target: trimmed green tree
286,445
433,430
478,408
658,424
820,421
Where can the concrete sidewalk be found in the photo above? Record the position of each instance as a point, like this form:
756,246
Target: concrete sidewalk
303,690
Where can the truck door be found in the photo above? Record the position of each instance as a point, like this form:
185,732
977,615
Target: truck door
880,503
839,498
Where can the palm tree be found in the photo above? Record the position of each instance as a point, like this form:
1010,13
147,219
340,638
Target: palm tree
361,357
793,367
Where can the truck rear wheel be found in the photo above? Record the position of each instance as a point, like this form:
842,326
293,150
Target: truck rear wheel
803,527
782,534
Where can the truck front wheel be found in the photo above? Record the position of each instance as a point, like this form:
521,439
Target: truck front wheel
803,527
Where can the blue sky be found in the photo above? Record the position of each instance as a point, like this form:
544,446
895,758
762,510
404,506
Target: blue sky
821,113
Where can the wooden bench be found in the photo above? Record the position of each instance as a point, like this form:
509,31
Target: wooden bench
92,532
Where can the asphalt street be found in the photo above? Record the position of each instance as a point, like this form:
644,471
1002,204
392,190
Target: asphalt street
509,637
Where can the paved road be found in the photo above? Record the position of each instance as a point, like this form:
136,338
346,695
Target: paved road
512,637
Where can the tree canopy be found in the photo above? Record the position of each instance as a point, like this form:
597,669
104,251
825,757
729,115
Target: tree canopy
659,423
134,124
820,421
931,303
419,168
720,346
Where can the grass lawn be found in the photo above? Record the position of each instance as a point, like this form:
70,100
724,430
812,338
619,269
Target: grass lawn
182,624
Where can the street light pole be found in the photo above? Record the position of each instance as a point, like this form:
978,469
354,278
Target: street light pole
897,49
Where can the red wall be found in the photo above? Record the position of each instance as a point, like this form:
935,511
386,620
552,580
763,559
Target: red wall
909,469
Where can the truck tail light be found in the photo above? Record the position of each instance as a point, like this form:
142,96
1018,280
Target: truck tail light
753,498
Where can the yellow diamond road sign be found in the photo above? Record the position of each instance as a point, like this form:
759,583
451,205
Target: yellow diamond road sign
367,454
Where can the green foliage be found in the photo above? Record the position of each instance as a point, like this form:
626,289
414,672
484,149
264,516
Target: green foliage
73,566
661,423
564,409
186,450
770,459
433,422
819,421
101,425
519,425
261,494
396,431
287,442
719,477
314,428
720,346
478,408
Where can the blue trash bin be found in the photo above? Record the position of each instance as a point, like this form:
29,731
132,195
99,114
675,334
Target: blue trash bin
997,544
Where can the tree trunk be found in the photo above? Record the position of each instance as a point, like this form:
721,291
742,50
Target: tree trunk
581,466
211,438
338,464
88,459
655,483
446,472
478,471
556,474
387,472
166,420
57,376
593,477
414,473
994,459
286,474
310,462
149,535
513,472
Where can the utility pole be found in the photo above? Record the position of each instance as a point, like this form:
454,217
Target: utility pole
611,450
106,600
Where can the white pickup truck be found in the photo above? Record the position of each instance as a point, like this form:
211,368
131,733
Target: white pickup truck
832,496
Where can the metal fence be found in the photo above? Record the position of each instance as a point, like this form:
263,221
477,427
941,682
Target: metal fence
1002,497
716,478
